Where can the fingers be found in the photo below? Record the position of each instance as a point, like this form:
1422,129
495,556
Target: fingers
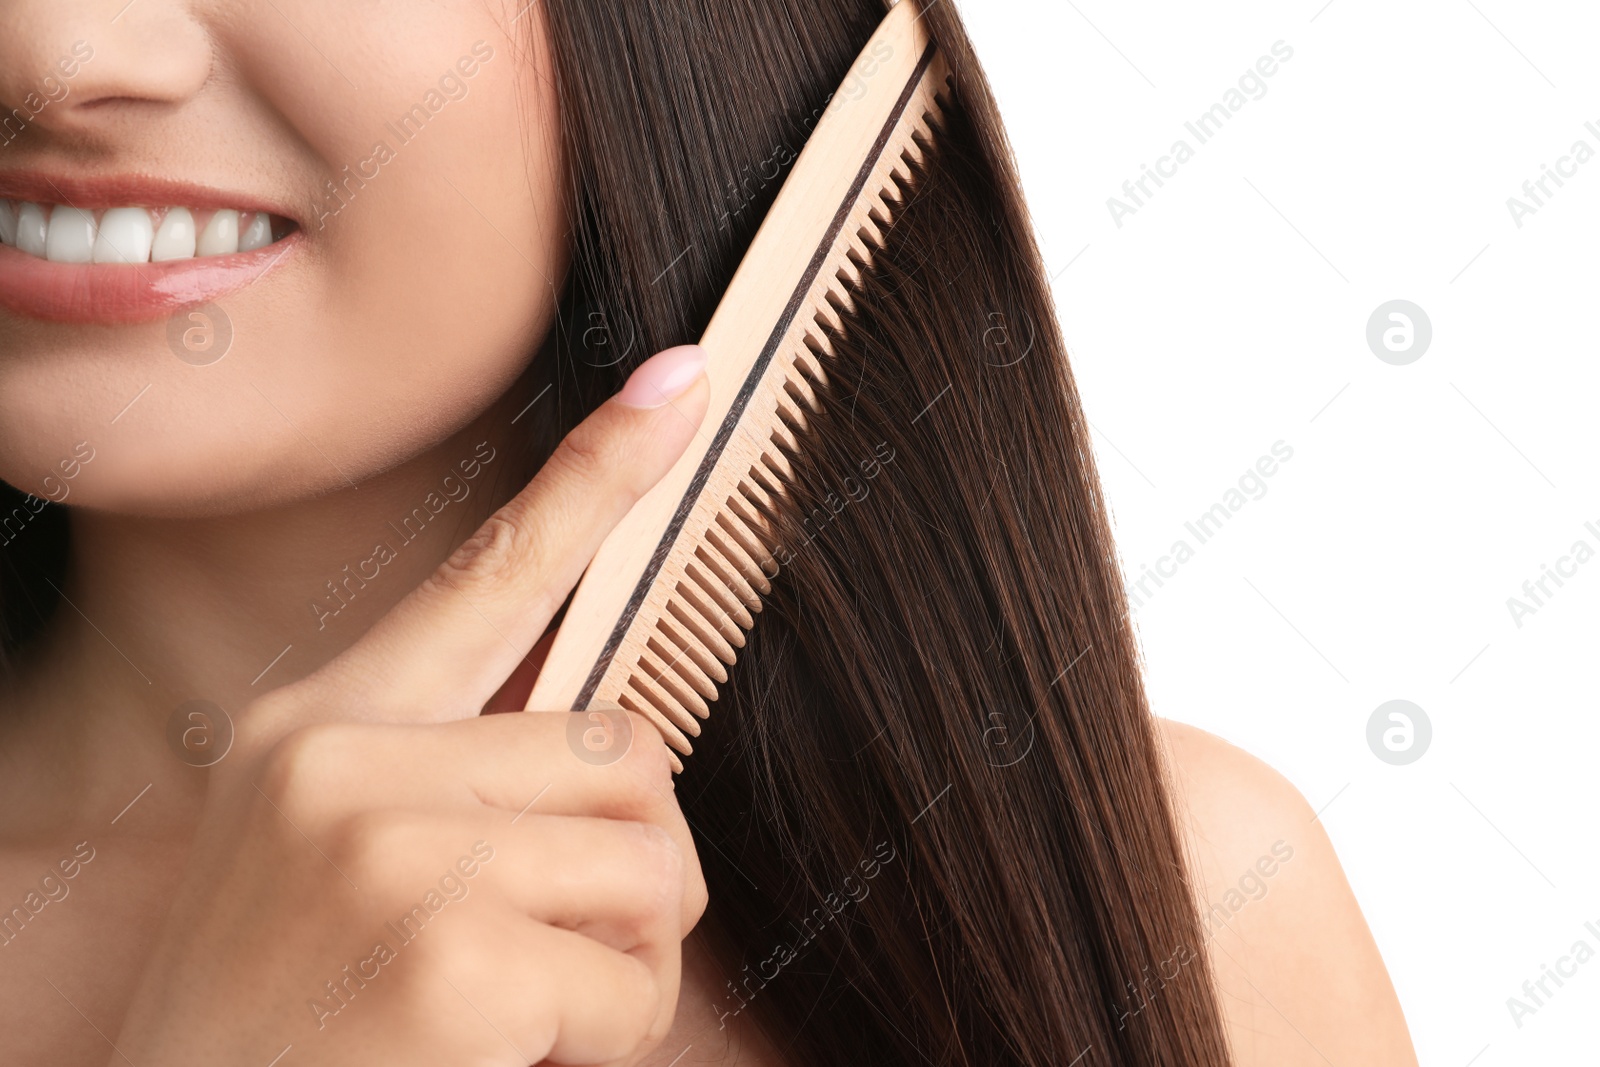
445,649
619,883
562,926
600,972
558,997
508,770
522,763
509,760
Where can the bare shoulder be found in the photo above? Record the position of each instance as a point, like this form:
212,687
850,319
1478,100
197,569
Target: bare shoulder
1299,976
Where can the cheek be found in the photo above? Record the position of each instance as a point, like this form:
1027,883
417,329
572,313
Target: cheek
440,252
442,270
436,279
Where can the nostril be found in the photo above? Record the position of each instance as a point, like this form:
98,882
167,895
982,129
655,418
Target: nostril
104,101
43,77
148,54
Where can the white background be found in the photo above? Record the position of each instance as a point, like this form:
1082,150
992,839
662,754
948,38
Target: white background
1230,312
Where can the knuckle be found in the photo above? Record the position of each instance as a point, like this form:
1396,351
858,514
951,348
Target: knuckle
643,991
696,897
533,734
267,717
455,953
461,950
490,555
638,783
658,847
647,761
298,771
371,844
587,454
659,862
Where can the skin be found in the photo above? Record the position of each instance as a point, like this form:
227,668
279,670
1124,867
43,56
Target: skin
362,373
1299,977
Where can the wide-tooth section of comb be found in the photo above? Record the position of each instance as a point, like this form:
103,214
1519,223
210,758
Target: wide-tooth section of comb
694,596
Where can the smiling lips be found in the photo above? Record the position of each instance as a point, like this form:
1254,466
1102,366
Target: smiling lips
64,234
112,265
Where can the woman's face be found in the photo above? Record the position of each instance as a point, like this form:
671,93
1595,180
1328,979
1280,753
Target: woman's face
410,147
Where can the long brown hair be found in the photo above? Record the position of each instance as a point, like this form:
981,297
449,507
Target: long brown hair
930,808
930,805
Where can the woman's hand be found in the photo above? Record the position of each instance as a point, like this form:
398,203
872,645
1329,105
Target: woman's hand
383,876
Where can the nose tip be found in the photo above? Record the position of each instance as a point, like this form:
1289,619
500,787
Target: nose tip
61,68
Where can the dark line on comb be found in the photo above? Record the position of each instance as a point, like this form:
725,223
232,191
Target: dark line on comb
742,400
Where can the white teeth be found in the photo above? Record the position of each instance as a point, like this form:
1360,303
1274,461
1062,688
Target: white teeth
124,237
176,238
70,238
221,235
32,229
64,234
257,234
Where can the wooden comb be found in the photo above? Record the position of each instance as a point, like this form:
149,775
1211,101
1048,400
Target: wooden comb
664,606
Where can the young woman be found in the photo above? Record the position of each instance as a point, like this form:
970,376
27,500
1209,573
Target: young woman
323,339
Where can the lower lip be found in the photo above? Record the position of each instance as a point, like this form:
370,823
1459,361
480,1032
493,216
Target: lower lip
115,294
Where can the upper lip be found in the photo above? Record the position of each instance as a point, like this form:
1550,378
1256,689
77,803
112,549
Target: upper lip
128,190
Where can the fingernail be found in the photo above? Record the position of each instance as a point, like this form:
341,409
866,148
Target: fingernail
663,377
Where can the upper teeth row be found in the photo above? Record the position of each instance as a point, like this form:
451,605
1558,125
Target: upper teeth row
64,234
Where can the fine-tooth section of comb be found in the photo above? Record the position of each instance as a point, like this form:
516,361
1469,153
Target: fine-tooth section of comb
662,610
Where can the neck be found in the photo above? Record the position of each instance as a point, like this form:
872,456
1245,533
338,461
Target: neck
704,1031
159,612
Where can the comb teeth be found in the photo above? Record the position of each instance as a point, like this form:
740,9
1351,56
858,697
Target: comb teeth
723,562
689,606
